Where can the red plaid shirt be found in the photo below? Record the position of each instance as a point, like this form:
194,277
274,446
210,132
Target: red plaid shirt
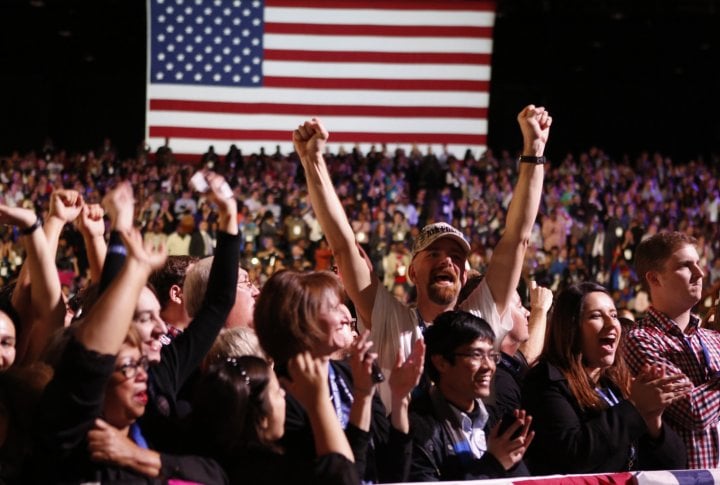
658,340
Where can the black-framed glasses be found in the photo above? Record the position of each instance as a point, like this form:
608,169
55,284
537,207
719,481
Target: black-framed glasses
130,369
477,355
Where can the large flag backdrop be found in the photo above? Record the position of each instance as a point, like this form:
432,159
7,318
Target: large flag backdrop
247,72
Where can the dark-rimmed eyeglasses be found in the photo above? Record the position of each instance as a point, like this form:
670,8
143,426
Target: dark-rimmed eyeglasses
130,369
478,355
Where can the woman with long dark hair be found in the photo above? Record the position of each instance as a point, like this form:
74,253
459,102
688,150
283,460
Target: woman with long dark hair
590,416
239,416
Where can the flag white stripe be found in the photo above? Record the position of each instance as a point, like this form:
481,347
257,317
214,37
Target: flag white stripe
338,123
329,16
362,70
324,97
354,43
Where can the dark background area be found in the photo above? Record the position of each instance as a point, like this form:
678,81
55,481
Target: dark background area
621,75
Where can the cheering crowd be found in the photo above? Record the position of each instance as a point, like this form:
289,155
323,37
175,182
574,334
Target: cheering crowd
350,317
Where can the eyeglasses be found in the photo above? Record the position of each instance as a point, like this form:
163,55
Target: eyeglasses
130,369
476,355
246,284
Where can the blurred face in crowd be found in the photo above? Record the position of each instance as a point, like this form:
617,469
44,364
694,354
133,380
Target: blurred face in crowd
149,324
273,425
241,314
439,271
520,332
126,392
335,320
7,342
599,332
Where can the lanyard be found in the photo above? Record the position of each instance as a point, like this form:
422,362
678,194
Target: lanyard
611,399
342,406
608,396
137,436
687,339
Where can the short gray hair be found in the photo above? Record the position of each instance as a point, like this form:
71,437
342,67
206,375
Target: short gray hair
233,343
195,286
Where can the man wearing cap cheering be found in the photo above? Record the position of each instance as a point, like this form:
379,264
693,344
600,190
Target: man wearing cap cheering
439,252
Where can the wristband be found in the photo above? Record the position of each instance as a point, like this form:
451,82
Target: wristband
529,159
30,229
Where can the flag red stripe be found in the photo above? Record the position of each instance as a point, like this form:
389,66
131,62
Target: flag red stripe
378,30
387,5
378,57
338,137
315,109
378,84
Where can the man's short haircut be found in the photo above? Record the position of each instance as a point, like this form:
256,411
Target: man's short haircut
652,253
172,273
449,331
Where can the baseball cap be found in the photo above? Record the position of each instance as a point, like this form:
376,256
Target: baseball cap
433,232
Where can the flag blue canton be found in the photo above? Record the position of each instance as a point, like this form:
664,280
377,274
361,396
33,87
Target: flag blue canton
207,42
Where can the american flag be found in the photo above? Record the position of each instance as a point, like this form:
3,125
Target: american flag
247,72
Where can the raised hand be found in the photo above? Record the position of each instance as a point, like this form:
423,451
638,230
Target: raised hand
144,254
535,126
653,390
310,138
361,361
506,449
120,206
406,375
90,222
66,204
541,298
308,381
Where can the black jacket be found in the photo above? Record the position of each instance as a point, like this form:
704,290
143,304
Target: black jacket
298,439
436,436
182,357
569,439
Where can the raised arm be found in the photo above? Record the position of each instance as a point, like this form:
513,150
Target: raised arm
308,384
360,283
183,356
92,227
505,268
40,305
541,300
108,321
404,378
119,205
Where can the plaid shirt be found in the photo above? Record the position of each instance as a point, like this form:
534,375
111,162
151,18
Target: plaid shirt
658,340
